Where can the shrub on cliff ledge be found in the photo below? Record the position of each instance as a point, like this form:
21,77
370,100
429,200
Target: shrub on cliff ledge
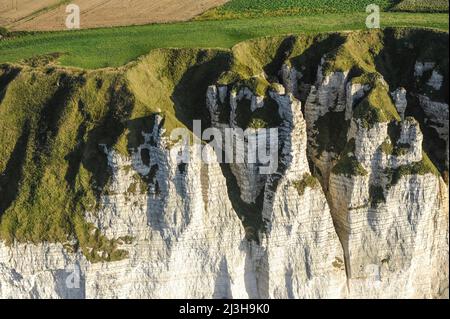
376,195
425,166
307,181
349,166
377,107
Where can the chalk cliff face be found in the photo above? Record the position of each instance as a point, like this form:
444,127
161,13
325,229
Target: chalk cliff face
388,209
355,207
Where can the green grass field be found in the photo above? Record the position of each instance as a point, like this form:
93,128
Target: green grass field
112,47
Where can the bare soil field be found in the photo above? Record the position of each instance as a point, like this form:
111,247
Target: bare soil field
47,15
14,10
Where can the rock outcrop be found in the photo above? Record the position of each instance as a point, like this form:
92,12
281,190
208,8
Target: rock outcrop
353,205
374,186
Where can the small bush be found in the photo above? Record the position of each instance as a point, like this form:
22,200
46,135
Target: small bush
307,181
349,166
376,194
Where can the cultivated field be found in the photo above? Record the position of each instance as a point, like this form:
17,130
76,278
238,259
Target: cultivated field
14,10
43,15
257,8
421,6
251,8
242,20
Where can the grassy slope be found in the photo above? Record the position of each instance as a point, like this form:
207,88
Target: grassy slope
50,158
113,47
53,120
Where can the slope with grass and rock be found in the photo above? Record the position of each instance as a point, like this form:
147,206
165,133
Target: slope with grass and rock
357,206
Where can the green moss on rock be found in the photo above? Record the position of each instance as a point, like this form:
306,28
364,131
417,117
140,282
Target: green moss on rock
423,167
400,149
307,181
377,107
349,166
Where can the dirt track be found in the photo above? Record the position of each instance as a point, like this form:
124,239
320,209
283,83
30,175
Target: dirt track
99,13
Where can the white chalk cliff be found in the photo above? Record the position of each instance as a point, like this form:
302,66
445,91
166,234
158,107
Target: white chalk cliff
363,219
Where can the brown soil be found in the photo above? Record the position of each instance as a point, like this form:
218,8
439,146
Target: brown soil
32,15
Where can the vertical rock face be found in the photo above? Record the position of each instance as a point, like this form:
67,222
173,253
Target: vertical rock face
304,253
353,206
185,234
434,108
299,254
385,198
186,239
387,226
399,97
176,225
327,98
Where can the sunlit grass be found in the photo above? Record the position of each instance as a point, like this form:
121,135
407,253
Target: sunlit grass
111,47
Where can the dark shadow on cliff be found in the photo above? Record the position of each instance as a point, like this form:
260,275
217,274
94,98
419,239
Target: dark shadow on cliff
222,287
11,176
89,151
309,60
249,214
189,95
284,51
6,78
396,62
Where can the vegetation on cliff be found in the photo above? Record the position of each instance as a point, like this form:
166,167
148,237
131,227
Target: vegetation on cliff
55,121
307,181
